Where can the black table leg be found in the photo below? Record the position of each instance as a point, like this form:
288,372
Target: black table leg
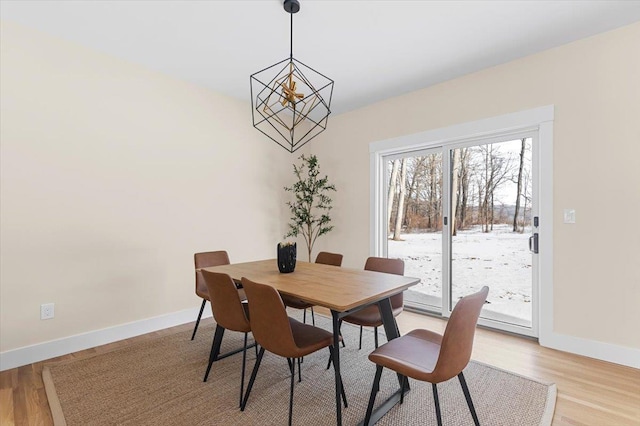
388,320
392,332
390,326
336,364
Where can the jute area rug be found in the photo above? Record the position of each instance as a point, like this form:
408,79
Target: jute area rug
159,382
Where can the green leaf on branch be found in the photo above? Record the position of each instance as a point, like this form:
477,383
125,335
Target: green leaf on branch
310,210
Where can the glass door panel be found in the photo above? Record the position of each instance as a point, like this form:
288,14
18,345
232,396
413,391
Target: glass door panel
414,218
491,210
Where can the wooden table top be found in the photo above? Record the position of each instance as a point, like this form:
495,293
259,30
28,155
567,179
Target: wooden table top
336,288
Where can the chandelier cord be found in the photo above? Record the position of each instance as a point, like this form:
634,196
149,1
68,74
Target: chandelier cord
291,38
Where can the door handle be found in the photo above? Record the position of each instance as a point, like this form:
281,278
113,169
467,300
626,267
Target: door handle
533,243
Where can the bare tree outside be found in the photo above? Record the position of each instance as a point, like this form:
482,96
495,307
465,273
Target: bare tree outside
392,189
400,212
463,187
481,178
519,186
490,210
455,188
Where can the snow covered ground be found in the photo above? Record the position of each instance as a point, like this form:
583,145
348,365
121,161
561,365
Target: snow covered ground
499,259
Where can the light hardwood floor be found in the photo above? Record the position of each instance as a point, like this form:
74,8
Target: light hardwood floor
590,392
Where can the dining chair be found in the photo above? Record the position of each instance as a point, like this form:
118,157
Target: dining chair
325,258
230,314
430,357
370,316
279,334
205,260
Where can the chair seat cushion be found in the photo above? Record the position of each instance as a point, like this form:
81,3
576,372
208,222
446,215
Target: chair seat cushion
308,338
413,355
369,316
294,302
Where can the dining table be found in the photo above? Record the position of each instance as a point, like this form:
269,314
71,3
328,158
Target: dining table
341,290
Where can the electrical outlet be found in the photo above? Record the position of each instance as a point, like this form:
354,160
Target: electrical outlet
46,311
569,216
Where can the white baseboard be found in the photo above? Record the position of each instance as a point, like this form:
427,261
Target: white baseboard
42,351
599,350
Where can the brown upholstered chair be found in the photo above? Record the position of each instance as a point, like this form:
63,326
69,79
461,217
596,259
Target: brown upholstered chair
370,316
230,314
430,357
275,332
205,260
324,258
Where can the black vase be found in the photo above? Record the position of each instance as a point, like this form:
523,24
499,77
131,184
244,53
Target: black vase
287,258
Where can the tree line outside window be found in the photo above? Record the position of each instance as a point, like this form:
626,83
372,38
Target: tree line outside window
490,184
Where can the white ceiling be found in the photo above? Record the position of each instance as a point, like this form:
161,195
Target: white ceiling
372,49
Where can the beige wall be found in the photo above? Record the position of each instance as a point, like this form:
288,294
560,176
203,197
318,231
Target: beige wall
595,87
112,176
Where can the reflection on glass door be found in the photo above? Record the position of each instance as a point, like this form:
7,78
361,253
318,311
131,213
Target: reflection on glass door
491,210
414,234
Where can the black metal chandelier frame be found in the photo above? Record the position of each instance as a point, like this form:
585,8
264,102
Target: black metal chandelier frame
278,110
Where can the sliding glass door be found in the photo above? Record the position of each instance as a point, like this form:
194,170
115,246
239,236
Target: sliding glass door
466,222
491,207
414,209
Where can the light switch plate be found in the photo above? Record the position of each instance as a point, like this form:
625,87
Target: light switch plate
569,216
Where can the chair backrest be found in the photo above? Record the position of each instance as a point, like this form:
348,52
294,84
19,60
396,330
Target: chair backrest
326,258
225,302
269,320
457,341
390,266
205,260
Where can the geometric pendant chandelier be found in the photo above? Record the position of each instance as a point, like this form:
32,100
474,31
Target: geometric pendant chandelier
290,101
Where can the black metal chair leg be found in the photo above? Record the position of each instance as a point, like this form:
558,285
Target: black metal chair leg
215,349
292,368
330,361
313,317
405,379
254,373
467,396
360,346
244,363
437,402
304,316
374,391
204,302
299,371
375,334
